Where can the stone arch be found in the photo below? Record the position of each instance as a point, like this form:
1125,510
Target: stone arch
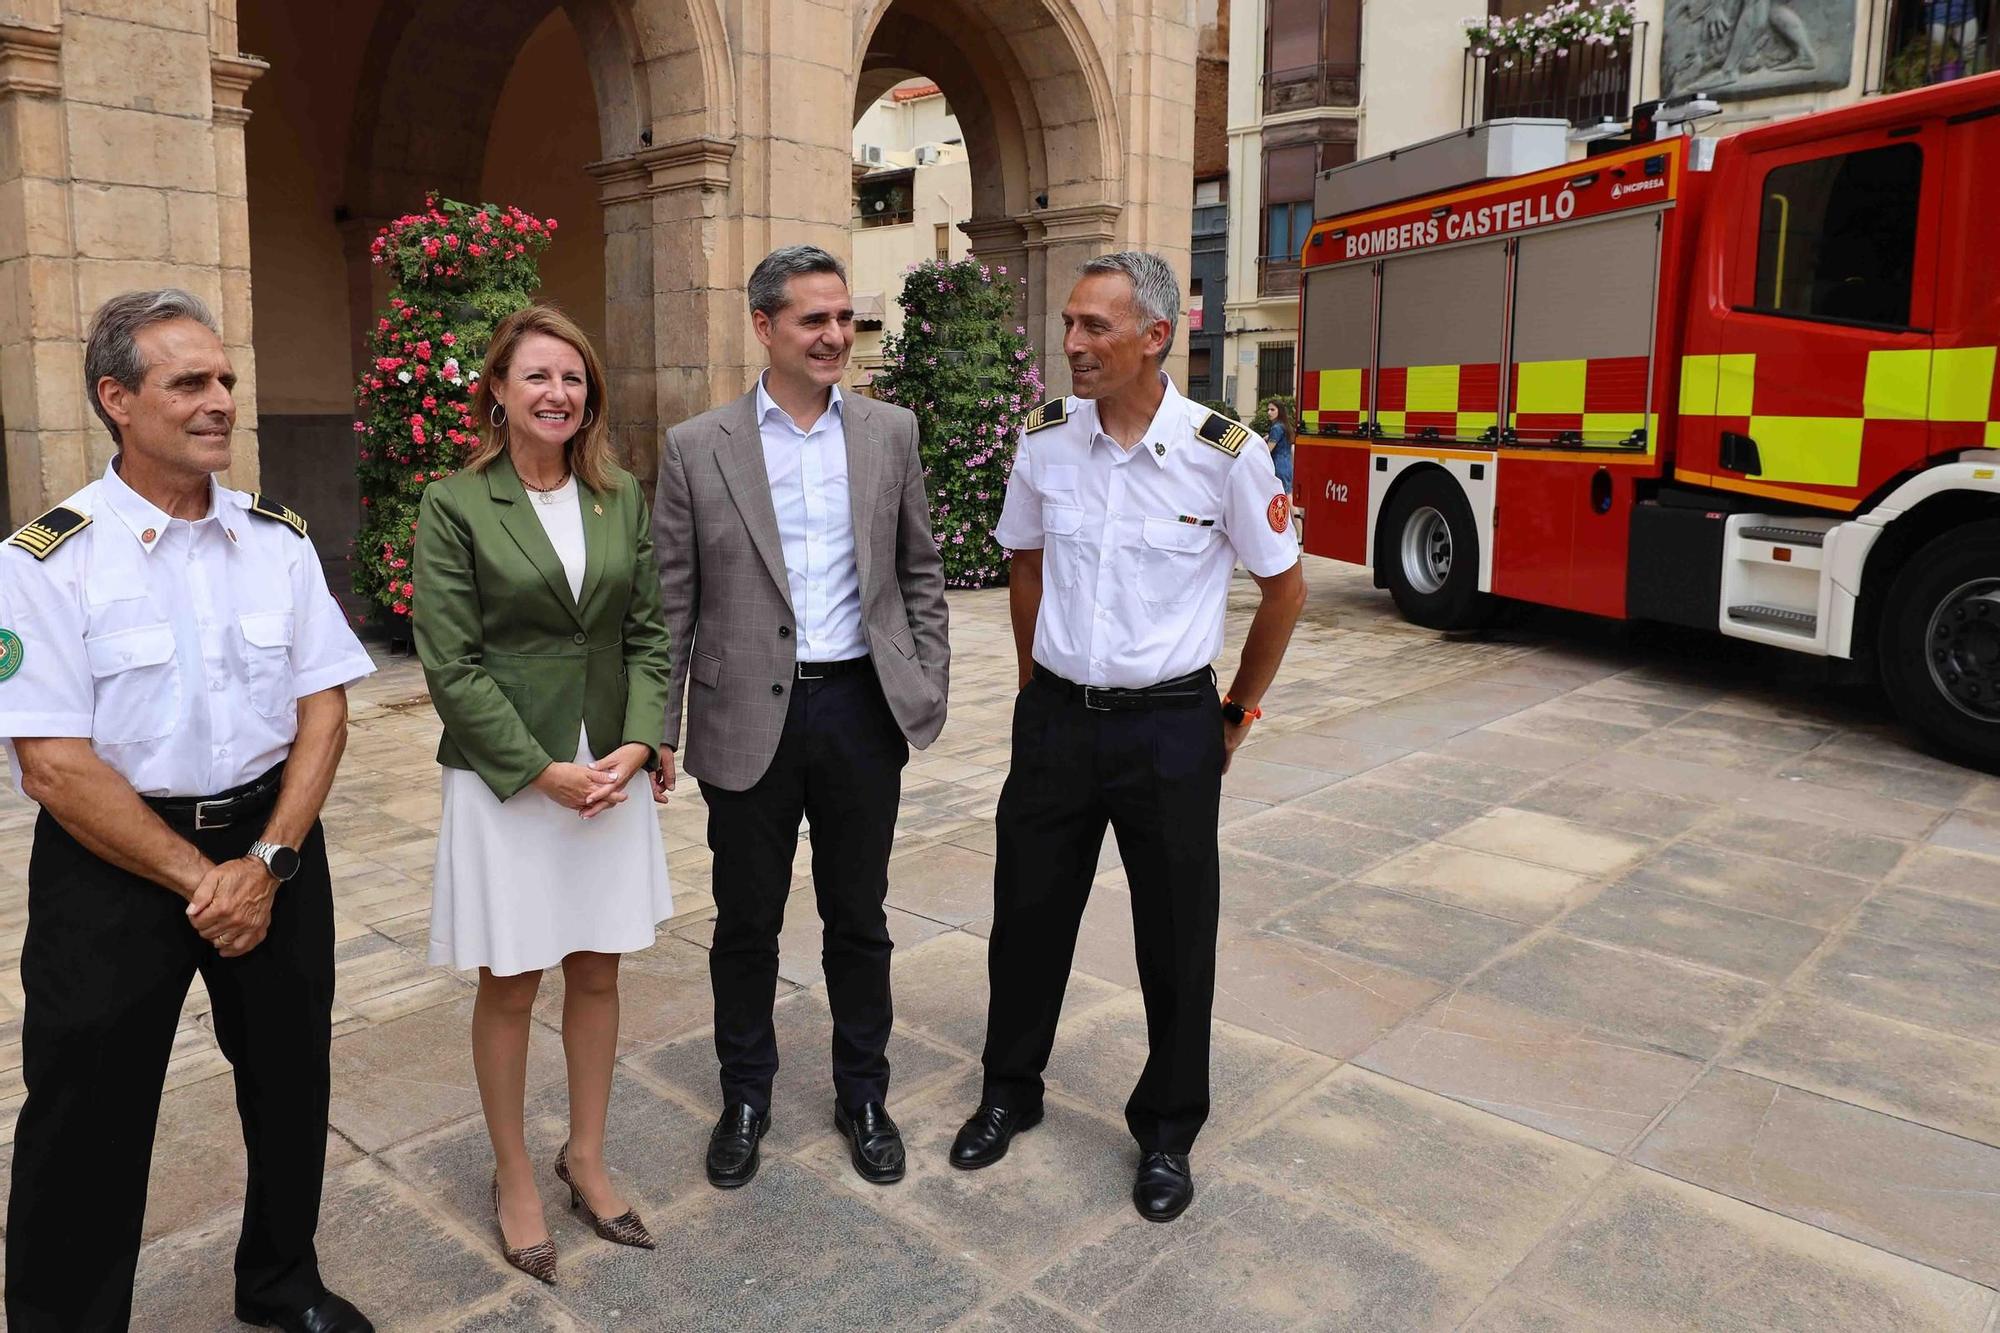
1028,84
662,78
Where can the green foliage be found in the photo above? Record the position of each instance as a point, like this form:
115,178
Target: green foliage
457,269
966,369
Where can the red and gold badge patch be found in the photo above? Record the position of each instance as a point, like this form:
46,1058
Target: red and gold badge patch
1280,512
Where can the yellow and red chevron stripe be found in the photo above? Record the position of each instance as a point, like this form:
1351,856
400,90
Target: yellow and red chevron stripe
1594,400
1812,430
1451,402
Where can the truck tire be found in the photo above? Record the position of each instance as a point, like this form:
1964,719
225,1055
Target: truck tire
1939,642
1430,554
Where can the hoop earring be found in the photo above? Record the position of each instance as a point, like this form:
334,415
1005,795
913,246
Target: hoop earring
588,417
497,415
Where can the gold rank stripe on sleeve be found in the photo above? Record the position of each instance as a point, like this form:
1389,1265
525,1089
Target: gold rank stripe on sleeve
1052,413
42,536
1224,434
283,513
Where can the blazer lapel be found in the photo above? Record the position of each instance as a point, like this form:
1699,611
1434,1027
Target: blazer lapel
596,540
510,498
864,477
741,459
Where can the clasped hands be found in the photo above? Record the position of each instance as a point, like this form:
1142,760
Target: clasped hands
231,906
592,789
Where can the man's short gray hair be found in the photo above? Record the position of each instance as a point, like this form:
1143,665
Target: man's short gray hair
1154,286
775,270
113,348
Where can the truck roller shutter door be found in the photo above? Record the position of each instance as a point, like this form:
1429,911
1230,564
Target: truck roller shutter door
1443,315
1583,334
1337,350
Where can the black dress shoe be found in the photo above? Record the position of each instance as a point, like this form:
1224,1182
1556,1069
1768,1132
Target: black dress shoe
983,1139
1165,1186
732,1147
330,1315
873,1142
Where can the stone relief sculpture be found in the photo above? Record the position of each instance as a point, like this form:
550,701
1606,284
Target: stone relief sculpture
1754,48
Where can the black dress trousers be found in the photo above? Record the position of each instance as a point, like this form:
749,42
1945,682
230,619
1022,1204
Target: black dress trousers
1155,776
839,764
105,966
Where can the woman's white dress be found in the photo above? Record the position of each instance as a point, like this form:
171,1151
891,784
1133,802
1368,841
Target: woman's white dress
523,883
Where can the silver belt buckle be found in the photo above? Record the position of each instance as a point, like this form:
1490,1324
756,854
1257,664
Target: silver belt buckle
1089,699
201,820
803,674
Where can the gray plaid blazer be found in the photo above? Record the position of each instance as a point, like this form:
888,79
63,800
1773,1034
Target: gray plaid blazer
726,597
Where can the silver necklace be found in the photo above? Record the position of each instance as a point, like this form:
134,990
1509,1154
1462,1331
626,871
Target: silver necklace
549,496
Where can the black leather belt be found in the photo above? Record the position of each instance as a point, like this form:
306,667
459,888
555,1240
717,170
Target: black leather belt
200,814
821,670
1180,692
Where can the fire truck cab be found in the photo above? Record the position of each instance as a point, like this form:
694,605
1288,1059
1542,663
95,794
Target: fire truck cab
1745,384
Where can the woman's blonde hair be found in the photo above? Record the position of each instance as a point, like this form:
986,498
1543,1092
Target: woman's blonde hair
589,450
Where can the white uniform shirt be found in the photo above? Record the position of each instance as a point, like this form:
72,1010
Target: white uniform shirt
179,649
808,474
1139,544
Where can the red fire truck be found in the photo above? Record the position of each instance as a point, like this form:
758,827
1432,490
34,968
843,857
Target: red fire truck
1745,384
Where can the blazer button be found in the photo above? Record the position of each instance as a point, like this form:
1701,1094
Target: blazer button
784,631
777,688
579,637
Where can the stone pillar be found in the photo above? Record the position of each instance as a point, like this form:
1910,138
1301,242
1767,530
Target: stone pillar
41,361
666,276
1059,240
121,167
1003,242
227,216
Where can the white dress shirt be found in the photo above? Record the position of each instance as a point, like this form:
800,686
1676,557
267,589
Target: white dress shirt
1139,543
808,474
179,649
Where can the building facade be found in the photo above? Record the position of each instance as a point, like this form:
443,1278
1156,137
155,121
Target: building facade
249,150
912,197
1315,84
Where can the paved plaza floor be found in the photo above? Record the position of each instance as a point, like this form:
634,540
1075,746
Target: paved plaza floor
1570,977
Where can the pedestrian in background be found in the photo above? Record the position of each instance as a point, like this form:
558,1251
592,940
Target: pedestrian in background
1278,434
805,596
173,687
537,618
1126,512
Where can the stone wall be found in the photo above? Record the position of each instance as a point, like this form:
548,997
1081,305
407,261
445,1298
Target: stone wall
718,129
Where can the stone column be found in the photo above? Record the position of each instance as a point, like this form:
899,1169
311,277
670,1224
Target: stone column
666,276
41,361
227,218
1059,241
1003,242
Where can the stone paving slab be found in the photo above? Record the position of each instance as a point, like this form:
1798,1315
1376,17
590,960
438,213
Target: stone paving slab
1570,977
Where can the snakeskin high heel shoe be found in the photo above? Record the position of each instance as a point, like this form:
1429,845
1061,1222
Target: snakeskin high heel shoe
625,1229
537,1261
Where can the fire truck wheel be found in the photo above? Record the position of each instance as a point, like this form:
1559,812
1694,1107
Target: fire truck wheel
1430,554
1940,644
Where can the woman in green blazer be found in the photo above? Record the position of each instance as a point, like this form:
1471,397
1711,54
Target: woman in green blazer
537,618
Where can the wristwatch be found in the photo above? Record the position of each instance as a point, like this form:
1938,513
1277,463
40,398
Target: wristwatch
280,860
1235,714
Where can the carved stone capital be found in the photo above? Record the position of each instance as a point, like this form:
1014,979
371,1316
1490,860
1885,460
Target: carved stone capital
30,60
698,163
230,77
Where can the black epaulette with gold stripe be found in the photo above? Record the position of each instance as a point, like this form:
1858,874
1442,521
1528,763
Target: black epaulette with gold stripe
1052,413
41,537
1224,434
283,513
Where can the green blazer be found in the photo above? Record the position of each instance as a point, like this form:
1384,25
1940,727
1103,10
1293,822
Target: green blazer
515,664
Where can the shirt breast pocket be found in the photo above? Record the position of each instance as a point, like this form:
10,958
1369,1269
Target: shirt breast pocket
1172,559
137,691
1063,525
267,660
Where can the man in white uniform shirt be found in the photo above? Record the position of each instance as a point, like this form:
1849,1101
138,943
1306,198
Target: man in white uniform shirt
173,678
1126,512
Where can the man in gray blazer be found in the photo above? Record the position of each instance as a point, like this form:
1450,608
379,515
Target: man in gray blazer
804,596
